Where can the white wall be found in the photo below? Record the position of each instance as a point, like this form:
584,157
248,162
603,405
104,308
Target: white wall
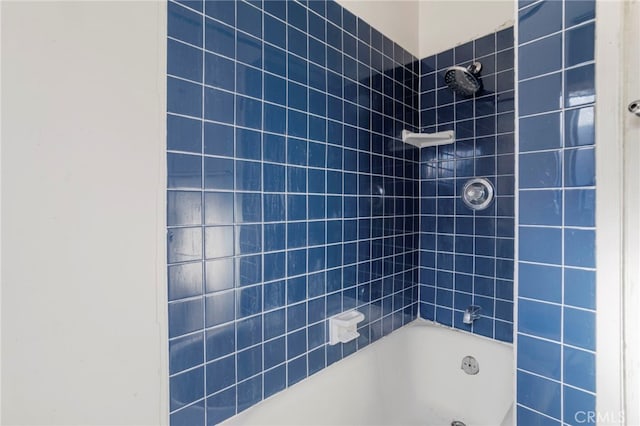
397,19
425,27
83,172
448,23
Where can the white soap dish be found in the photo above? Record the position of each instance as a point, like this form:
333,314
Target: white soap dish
342,327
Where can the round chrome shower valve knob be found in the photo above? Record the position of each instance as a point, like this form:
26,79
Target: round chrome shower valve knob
477,193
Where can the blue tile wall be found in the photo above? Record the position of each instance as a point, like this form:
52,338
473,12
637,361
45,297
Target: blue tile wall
290,196
466,257
556,192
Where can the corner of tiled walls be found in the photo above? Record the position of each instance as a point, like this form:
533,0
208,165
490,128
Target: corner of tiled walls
290,198
466,256
556,291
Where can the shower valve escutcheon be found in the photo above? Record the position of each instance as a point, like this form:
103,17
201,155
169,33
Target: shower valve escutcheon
471,314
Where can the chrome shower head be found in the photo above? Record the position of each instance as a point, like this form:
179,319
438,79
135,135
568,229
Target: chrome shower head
463,81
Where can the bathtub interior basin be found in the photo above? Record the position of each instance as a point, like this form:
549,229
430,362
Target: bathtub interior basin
411,377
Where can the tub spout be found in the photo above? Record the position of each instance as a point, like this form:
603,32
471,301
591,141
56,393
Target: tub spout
471,314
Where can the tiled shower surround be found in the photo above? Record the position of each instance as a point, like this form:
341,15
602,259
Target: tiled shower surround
466,257
557,190
290,196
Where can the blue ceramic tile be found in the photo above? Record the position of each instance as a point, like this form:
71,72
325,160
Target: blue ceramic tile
184,134
504,60
540,132
220,374
185,61
249,332
540,19
220,72
274,148
216,105
540,245
296,235
249,18
579,86
184,24
540,170
444,59
274,266
185,317
504,39
248,239
185,280
275,380
249,81
275,119
219,274
579,328
539,319
192,4
219,139
277,8
274,62
218,173
184,244
191,415
248,112
579,369
578,405
579,167
186,388
540,57
274,207
539,357
248,144
540,94
578,11
249,50
249,270
184,208
274,236
297,262
296,370
221,406
224,11
249,362
579,45
273,174
219,308
275,32
185,352
580,288
218,241
219,38
221,341
184,97
538,393
297,15
485,45
297,42
248,175
249,393
504,331
274,324
579,127
579,247
317,25
541,207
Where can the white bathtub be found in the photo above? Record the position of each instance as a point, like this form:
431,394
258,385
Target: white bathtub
411,377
